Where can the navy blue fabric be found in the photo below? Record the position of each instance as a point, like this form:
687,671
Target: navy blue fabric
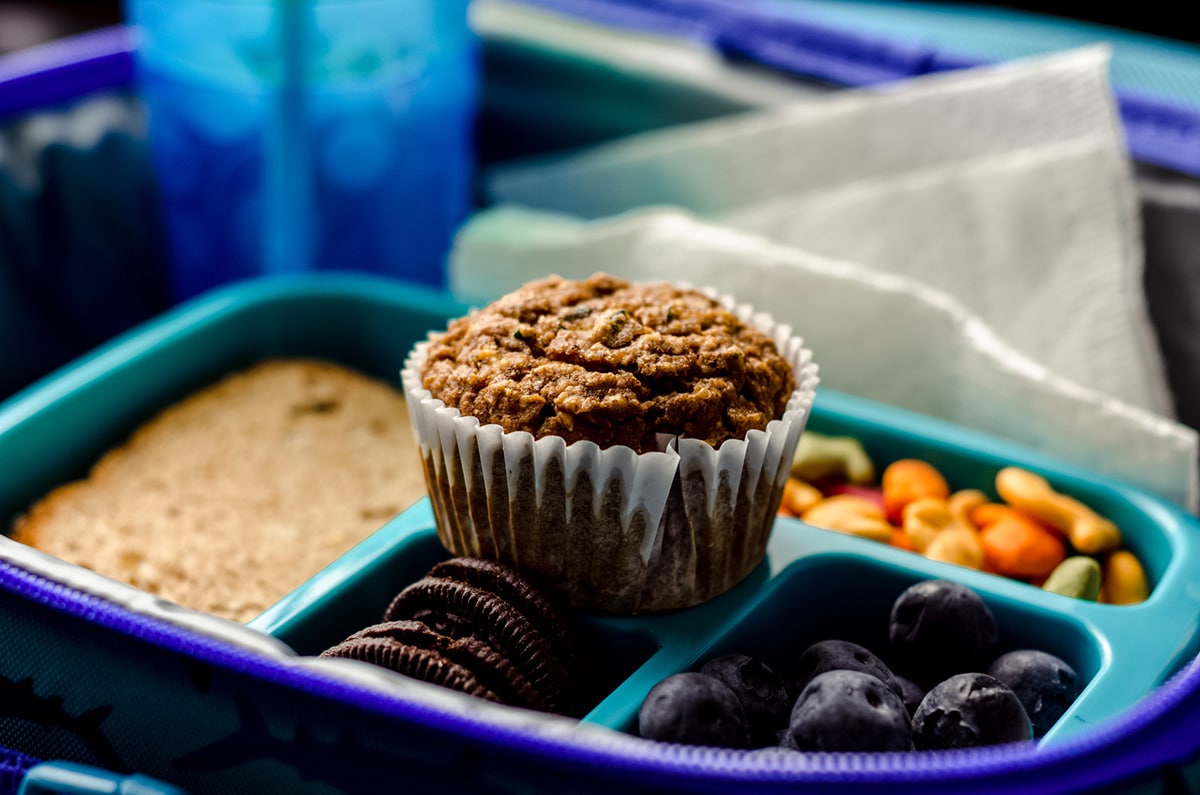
81,254
13,766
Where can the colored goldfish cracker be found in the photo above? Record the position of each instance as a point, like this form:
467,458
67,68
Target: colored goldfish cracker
852,515
937,533
1020,548
799,496
927,517
1087,531
900,540
1125,581
820,457
961,503
1077,576
866,492
907,480
960,546
991,512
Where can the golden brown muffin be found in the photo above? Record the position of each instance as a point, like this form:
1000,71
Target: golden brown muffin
610,362
628,444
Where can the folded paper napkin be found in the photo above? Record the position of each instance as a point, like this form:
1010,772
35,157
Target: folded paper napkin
996,203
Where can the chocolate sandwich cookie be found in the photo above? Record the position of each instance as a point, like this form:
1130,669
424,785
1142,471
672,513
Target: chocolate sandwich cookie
459,609
519,591
501,579
424,664
466,664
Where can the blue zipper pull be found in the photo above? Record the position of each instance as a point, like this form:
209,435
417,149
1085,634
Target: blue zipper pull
68,778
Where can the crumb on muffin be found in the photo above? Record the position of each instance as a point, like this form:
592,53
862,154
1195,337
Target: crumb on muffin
612,362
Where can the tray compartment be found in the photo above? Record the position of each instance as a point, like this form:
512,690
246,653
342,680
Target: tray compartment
54,430
354,591
969,459
825,587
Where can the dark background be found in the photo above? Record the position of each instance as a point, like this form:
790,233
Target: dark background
26,22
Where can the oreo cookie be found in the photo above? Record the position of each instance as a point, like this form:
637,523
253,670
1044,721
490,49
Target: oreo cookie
465,664
479,627
517,590
423,664
492,602
511,586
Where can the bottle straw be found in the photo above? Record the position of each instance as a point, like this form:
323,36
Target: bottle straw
287,179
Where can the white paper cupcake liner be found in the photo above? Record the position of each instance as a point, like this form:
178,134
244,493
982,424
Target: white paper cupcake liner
613,530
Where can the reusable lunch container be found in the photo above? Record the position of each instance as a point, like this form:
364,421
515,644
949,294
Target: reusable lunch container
143,685
124,687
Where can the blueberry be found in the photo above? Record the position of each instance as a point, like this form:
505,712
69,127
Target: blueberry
760,690
940,628
911,693
695,709
849,711
841,655
969,710
1045,684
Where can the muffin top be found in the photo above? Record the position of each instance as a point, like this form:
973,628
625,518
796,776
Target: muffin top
611,362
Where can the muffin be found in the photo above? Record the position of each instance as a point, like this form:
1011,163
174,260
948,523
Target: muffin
627,443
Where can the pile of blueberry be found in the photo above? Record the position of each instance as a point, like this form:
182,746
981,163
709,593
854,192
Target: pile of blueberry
948,689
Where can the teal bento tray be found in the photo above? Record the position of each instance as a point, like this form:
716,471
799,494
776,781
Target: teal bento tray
813,585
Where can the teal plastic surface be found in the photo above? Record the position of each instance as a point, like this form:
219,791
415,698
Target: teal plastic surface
817,585
813,585
67,778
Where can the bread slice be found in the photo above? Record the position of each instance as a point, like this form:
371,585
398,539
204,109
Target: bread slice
229,499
